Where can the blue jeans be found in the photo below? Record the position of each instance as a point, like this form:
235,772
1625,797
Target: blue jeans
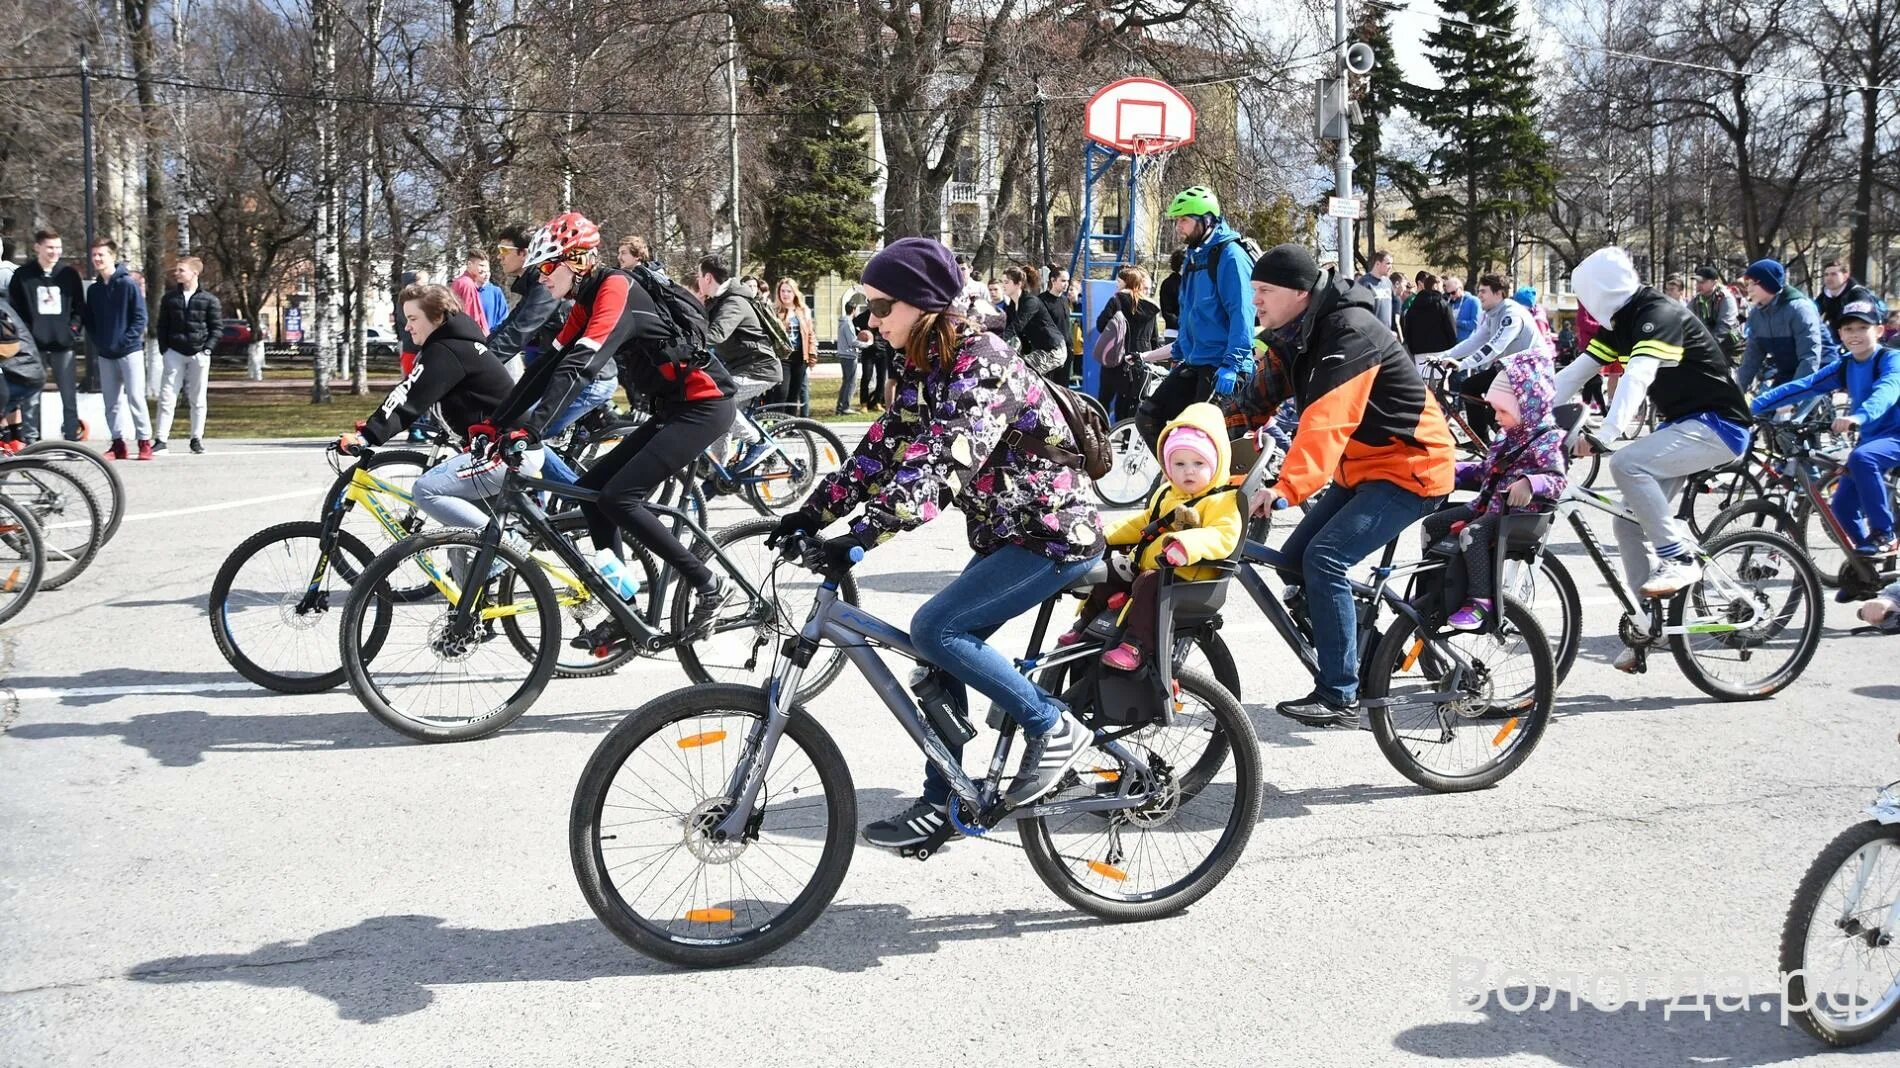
1861,500
1346,525
554,469
949,631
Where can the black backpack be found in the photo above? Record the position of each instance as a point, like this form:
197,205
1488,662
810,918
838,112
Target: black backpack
1092,454
683,310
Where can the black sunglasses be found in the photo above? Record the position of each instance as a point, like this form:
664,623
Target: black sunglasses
882,306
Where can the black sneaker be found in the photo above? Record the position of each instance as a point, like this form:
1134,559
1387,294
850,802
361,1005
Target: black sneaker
160,446
1046,759
606,633
1316,711
197,447
911,827
709,600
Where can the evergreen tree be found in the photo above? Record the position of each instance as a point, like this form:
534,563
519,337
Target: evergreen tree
818,209
1488,168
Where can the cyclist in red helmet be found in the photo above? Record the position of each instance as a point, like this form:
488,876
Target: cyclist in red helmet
615,317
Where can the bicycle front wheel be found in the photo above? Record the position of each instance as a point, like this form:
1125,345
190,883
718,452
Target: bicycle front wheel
275,606
91,469
399,469
22,559
1134,473
1551,594
748,633
71,523
803,451
640,829
441,676
1157,859
1749,627
1472,738
1837,948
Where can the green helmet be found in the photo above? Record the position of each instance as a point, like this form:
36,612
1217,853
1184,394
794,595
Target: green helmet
1194,200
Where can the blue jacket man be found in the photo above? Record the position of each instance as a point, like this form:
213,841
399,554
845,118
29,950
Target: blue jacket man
115,321
1785,334
1870,376
1466,311
1213,348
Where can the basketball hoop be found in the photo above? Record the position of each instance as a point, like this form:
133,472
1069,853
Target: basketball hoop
1125,114
1148,145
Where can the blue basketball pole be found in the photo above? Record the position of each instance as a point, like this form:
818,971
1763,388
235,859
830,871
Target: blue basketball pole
1121,249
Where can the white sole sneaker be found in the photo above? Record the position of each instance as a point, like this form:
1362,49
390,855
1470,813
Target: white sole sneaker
1053,755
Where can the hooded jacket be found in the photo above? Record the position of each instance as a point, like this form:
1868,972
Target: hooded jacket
1533,449
1365,414
1143,317
1872,387
24,364
1667,355
1217,304
1785,332
615,320
50,304
738,337
1429,326
115,315
454,369
1217,526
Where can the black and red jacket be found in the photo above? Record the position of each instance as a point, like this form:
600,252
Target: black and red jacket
614,319
454,369
1365,414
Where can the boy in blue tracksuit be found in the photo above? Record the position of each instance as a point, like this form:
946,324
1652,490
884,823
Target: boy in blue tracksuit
1870,376
1213,347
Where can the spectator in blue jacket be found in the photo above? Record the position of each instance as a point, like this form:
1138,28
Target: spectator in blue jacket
1870,376
115,321
1466,312
1784,328
1213,349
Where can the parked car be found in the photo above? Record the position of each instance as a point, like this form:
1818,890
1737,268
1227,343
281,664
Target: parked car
382,341
235,340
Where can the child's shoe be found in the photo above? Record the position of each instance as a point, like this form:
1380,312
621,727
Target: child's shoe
1124,657
1471,616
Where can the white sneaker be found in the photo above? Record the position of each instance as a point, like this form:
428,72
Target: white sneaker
1047,758
1672,576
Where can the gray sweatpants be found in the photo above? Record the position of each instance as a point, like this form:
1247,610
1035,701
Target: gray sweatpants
122,380
187,375
1651,472
448,491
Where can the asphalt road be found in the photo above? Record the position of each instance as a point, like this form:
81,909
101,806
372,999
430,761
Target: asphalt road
196,871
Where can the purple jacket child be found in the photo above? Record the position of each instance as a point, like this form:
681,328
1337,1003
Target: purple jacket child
1533,446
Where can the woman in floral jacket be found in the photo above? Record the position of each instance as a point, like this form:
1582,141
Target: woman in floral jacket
972,428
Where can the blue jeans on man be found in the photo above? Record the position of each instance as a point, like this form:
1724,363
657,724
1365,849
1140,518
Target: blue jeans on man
597,393
950,629
1346,525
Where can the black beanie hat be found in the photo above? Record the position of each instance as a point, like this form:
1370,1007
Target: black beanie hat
1287,266
916,270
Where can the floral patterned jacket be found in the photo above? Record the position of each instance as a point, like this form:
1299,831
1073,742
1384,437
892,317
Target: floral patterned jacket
957,435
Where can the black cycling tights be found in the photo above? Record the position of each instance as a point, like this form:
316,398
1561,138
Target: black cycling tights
628,476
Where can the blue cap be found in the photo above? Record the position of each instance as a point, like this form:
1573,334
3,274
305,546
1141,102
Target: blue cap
1768,274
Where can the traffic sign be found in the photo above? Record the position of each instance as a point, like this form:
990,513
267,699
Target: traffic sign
1345,208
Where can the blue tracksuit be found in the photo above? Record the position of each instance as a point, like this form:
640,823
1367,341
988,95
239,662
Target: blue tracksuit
1873,388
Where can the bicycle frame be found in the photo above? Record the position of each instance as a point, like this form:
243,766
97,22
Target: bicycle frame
1570,505
859,634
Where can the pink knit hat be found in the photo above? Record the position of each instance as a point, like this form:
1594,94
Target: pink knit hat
1190,439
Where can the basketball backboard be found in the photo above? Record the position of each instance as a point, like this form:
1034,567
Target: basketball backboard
1140,115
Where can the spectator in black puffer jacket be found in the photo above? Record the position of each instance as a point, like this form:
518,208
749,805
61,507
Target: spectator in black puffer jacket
190,321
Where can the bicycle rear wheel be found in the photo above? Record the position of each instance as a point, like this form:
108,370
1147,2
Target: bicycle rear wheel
22,559
1135,472
1488,730
1551,595
745,641
639,830
1155,860
91,469
438,680
1754,620
1706,496
275,606
580,608
71,525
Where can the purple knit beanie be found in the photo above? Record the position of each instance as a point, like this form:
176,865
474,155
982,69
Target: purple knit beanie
916,270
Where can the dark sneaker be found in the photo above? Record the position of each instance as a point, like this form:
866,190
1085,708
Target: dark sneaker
708,601
197,446
599,639
158,445
1046,759
911,827
755,452
1316,711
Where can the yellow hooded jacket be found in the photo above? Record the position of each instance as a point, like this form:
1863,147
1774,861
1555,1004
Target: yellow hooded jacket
1220,523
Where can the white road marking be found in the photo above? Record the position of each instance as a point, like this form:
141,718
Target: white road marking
246,503
54,693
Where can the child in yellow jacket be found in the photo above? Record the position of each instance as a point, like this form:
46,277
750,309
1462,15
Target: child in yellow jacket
1195,516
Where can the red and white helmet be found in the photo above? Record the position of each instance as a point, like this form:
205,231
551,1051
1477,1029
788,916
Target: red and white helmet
565,235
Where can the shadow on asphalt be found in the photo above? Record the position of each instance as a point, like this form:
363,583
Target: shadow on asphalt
389,966
1879,693
181,739
184,681
1586,1037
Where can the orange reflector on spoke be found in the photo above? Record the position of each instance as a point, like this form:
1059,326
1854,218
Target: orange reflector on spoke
710,916
1107,871
13,581
1505,731
694,741
1412,657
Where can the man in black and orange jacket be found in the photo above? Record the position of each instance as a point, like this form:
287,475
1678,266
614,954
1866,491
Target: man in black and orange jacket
1370,427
